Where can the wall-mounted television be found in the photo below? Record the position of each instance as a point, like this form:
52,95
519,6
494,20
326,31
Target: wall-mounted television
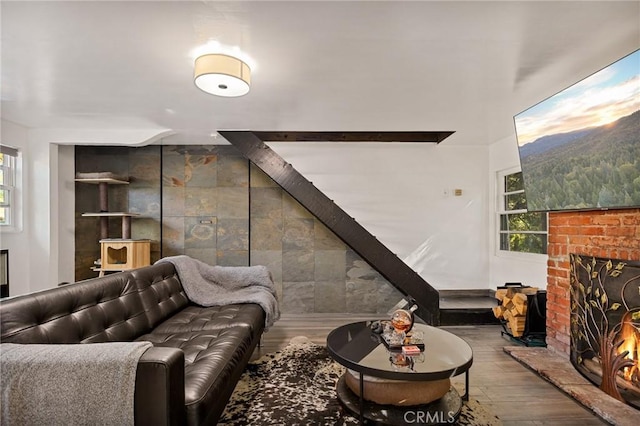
580,148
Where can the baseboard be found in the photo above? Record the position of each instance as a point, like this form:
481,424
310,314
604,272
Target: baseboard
468,293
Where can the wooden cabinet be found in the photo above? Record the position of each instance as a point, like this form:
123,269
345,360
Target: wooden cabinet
120,254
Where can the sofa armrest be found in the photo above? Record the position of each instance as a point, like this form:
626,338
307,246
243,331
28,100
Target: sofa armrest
159,393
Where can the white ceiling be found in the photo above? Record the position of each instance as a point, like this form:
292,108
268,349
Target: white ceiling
325,66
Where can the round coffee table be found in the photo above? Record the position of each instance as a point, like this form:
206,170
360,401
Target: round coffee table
445,355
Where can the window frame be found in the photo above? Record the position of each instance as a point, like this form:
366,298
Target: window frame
501,210
12,175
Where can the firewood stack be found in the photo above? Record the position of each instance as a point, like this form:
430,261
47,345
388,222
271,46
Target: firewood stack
512,308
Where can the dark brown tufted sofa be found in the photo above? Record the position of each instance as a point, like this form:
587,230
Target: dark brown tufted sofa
198,353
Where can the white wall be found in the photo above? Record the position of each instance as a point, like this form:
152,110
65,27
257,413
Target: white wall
17,241
403,195
529,269
42,216
33,250
66,213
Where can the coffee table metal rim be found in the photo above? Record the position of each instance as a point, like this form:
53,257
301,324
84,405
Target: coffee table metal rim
399,375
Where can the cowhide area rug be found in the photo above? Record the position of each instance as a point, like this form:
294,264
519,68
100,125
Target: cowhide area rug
296,386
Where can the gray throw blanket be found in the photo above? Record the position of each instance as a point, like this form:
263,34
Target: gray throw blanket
75,384
208,285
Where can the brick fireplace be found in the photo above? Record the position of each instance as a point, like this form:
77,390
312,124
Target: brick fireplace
607,234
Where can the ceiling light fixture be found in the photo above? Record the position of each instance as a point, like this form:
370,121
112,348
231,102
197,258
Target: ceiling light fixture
222,75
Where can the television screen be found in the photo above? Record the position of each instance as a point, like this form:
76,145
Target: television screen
580,148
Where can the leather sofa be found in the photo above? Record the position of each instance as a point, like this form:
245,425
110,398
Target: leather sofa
198,353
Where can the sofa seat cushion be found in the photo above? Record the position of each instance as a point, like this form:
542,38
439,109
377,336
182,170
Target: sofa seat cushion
198,318
214,361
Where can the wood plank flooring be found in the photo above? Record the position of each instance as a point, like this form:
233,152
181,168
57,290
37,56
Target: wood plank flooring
511,391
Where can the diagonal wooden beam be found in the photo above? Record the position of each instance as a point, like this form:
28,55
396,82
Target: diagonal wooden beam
337,220
426,137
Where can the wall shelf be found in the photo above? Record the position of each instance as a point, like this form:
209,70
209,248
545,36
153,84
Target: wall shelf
104,216
110,214
109,181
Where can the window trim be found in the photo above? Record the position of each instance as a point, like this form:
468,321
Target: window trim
500,210
14,189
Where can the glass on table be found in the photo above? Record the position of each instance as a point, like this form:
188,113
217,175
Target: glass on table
402,321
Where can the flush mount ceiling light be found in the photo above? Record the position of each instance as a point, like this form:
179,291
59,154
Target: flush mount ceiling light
222,75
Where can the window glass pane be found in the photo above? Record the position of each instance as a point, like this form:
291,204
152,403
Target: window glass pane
513,182
4,196
515,202
4,217
2,172
1,159
526,222
542,220
520,232
528,243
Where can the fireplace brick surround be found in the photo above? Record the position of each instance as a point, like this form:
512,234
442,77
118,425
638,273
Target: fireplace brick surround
610,234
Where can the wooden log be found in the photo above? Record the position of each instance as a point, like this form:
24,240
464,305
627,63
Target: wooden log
511,291
519,299
521,310
517,325
519,322
500,293
517,333
513,308
514,311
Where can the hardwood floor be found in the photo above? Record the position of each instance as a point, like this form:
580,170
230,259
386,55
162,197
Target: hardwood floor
511,391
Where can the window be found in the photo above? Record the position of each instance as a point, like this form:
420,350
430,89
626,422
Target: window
8,166
520,231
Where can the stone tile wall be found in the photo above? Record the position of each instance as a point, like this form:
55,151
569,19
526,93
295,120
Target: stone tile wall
313,269
205,201
205,204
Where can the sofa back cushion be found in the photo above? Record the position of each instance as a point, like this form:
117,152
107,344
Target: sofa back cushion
117,307
102,309
160,290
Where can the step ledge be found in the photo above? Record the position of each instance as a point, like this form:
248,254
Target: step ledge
467,293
